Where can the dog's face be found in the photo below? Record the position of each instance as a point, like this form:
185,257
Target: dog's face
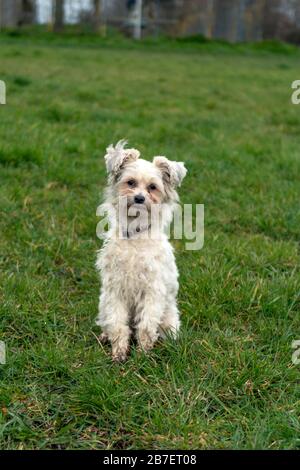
142,183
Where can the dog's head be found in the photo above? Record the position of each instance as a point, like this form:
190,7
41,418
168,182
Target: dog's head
143,183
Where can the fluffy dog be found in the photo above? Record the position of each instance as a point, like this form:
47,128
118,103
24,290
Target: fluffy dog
136,262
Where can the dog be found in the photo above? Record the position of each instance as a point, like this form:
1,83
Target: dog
136,263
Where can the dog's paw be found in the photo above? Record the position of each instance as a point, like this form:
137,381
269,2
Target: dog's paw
145,346
103,338
120,352
120,356
145,342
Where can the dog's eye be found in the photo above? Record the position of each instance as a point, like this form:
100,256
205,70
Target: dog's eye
131,183
152,187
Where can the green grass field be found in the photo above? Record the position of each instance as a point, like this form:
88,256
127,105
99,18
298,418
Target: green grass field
229,381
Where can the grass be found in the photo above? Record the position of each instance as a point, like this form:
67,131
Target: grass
229,381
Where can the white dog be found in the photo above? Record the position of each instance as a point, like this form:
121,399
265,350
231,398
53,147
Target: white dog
137,265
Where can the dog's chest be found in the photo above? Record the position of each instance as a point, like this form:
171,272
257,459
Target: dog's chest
134,264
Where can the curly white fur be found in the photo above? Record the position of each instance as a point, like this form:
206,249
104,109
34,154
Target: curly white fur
139,274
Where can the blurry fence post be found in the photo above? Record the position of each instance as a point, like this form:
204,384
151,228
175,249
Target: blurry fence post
137,19
97,15
103,19
58,15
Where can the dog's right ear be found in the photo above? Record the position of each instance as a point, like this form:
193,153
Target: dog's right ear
118,157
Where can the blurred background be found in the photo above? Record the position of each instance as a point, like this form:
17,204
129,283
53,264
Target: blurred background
231,20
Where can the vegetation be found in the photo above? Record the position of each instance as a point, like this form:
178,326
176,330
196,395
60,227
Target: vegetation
229,381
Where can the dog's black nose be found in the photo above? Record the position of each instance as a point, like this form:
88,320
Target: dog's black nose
139,199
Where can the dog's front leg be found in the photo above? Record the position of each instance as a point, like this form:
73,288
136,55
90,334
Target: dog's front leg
113,319
148,318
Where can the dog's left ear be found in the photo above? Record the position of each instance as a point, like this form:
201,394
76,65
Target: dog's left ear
172,172
118,157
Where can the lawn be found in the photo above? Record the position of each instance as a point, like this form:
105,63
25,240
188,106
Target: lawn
229,381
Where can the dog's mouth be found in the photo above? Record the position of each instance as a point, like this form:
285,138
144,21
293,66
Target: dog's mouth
142,206
135,208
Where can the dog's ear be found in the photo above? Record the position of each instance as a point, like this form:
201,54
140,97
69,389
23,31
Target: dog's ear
172,172
118,157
